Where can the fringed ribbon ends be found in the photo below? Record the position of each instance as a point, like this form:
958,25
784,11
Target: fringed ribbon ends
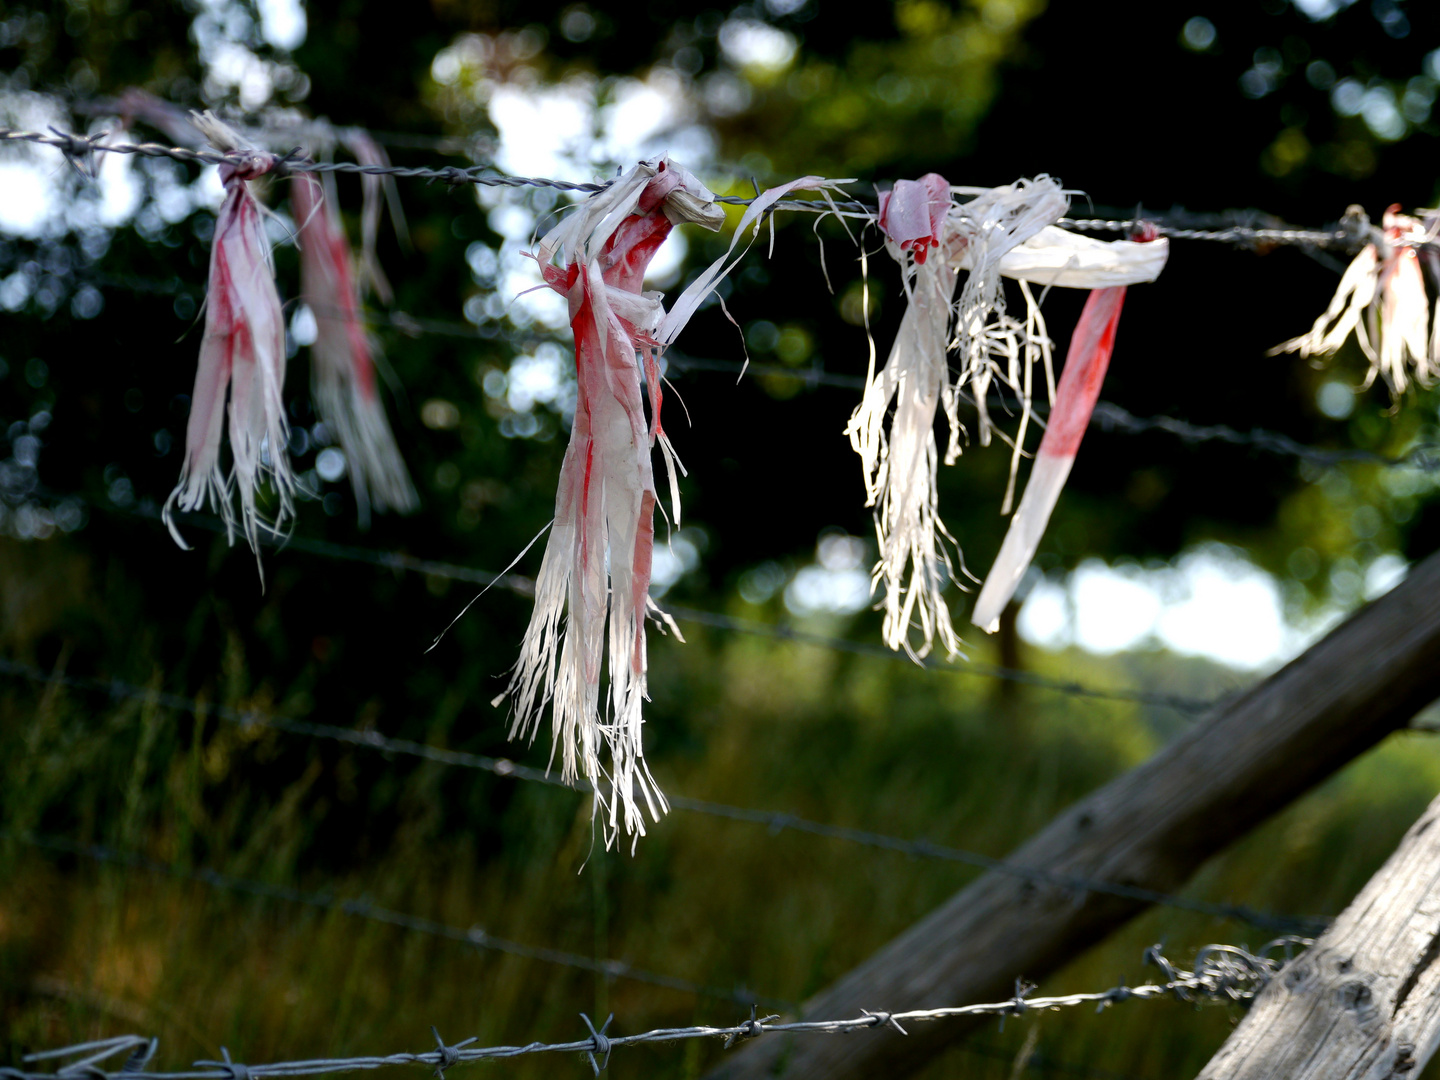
1000,232
342,358
242,353
1381,300
934,237
596,569
900,465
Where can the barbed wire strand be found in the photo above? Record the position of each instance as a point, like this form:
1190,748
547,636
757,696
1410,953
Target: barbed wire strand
363,908
81,146
143,1050
1223,973
774,821
394,560
1245,235
1107,416
1112,418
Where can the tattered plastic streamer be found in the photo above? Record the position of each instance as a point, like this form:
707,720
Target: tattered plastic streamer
596,569
242,352
343,374
1091,347
1381,300
999,232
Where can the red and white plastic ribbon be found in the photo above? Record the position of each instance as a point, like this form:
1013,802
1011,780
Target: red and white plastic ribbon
1091,346
242,354
596,571
1000,232
342,357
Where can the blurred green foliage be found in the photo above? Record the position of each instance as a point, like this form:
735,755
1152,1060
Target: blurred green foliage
1233,107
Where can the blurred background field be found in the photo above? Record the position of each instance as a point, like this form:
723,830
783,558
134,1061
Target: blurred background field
1169,568
89,948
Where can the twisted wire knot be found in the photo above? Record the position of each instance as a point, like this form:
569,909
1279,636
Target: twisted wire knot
599,1043
749,1029
1153,955
1114,996
73,145
448,1055
882,1019
233,1069
1017,1005
452,175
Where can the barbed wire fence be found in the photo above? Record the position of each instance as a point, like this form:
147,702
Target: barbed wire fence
1108,417
475,936
1221,973
142,1051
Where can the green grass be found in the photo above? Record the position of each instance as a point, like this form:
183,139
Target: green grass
88,950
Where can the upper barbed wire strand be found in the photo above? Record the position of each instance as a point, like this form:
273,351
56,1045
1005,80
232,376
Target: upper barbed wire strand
488,176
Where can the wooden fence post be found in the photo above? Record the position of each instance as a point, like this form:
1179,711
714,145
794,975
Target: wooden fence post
1152,828
1363,1002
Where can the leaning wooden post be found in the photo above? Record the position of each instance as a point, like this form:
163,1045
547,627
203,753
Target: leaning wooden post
1363,1002
1152,828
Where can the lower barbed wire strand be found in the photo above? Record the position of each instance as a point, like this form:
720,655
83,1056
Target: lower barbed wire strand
1238,976
774,821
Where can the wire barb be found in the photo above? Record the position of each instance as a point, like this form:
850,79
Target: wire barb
448,1055
883,1019
601,1044
79,150
231,1070
1018,1005
749,1029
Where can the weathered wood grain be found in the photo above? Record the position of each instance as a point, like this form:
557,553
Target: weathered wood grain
1152,828
1364,1002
